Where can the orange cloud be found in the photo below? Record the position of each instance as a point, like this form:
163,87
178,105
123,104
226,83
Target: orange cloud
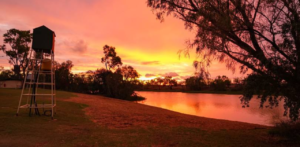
84,27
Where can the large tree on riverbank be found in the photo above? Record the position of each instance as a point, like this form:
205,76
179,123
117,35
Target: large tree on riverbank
261,35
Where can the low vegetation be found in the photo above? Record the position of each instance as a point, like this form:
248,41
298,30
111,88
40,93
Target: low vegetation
287,129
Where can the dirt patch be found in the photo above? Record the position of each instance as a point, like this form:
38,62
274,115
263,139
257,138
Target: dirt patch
114,113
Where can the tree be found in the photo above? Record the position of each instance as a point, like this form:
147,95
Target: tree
129,73
260,35
220,83
100,78
172,83
62,75
159,81
77,83
115,86
119,83
238,84
6,74
110,59
168,80
94,82
19,48
195,83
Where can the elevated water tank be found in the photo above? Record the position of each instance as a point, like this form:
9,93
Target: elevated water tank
46,64
43,39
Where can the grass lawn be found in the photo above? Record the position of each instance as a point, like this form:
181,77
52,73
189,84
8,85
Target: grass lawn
72,127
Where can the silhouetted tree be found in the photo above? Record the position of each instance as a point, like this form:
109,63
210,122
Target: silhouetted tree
7,74
159,82
110,59
238,84
115,86
166,80
220,83
62,75
261,35
94,81
172,83
195,83
120,83
100,77
19,48
128,73
153,82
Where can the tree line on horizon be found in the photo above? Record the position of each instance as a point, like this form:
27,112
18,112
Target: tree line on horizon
109,80
114,80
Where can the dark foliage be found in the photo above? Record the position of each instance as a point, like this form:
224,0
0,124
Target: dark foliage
62,75
7,74
19,49
120,83
260,35
288,130
220,83
239,84
110,59
195,83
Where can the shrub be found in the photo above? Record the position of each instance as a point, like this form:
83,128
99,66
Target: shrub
287,129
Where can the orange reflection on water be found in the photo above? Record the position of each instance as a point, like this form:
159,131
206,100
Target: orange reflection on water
218,106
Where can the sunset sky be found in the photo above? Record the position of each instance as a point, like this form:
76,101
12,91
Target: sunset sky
83,27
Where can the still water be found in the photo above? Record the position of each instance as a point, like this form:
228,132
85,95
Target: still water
218,106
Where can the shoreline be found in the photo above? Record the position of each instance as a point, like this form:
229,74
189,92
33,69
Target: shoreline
141,115
204,91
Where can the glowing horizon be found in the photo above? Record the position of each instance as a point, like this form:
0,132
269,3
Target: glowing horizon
83,27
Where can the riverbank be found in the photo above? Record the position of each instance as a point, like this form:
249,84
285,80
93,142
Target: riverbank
202,91
90,120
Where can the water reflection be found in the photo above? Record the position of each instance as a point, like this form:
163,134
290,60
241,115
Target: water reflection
218,106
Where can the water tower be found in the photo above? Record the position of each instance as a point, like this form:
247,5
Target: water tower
38,91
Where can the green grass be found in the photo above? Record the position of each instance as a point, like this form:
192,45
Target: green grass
71,127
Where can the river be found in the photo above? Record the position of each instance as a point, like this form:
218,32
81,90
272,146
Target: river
219,106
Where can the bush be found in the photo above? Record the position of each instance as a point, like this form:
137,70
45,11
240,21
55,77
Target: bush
118,88
220,83
287,129
195,83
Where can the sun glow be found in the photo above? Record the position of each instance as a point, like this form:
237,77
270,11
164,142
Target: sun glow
141,41
143,78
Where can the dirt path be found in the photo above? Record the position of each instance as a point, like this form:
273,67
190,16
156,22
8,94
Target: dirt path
114,113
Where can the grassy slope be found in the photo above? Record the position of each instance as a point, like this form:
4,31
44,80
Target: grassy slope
72,127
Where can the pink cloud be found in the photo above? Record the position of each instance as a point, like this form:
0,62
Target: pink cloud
172,74
83,27
150,63
150,75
